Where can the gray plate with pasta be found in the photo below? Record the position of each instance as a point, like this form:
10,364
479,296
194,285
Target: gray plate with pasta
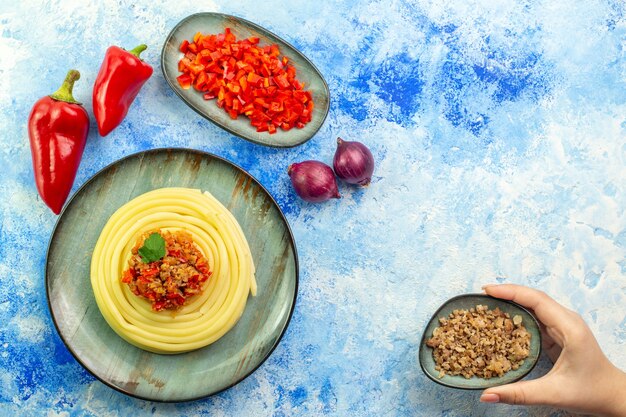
112,333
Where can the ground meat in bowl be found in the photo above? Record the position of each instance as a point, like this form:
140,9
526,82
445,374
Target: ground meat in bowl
479,342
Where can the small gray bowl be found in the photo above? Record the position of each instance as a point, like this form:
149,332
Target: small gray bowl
465,302
306,72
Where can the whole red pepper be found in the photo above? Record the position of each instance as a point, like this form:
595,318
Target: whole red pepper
121,76
57,129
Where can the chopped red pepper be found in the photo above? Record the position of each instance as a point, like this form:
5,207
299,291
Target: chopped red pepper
246,79
183,46
184,81
282,81
152,271
127,277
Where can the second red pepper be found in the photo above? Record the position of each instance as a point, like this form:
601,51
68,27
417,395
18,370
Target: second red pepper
119,80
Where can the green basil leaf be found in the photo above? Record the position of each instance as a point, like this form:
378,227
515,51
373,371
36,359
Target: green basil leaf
153,248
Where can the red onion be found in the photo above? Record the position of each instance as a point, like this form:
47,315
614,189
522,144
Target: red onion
353,162
314,181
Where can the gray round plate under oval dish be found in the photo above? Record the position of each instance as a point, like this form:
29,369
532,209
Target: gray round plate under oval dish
214,23
465,302
186,376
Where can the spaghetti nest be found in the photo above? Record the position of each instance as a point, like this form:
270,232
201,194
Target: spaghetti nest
205,317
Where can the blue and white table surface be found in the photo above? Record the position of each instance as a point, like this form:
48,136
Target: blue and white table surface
499,132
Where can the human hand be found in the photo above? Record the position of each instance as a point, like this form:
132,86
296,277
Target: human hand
582,378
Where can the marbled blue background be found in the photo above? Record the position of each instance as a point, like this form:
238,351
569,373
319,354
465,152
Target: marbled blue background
499,131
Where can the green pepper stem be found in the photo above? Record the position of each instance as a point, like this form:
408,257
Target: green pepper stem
64,93
139,49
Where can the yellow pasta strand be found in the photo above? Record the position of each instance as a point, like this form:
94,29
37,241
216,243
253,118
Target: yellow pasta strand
206,317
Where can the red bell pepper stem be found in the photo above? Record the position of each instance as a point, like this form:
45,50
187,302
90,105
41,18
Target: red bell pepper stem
64,93
138,49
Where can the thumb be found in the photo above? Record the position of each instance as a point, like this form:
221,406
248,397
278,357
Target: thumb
535,392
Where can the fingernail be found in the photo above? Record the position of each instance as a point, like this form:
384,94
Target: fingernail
490,398
484,287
